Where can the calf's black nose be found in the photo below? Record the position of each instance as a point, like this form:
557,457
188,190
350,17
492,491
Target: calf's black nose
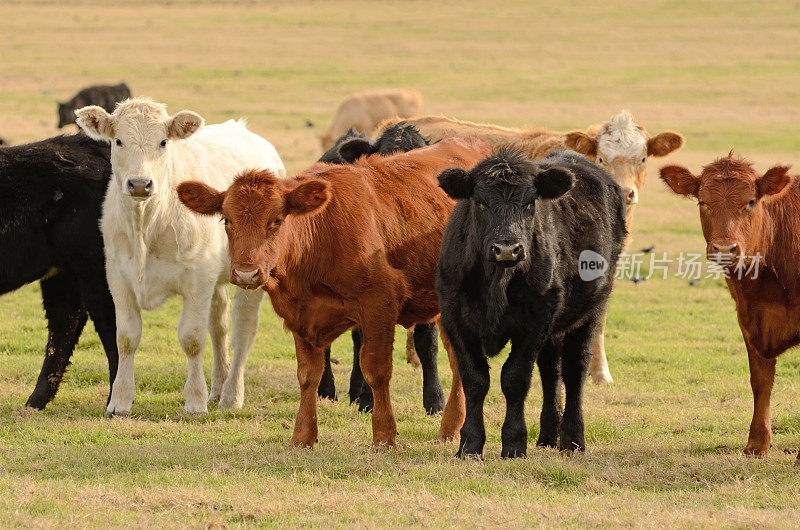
140,187
508,252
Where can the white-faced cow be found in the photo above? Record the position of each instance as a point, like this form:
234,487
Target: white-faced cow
509,270
155,248
621,146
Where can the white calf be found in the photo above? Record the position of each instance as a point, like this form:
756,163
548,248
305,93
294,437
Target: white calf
155,248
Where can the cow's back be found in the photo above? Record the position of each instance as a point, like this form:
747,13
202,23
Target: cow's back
590,217
533,143
411,210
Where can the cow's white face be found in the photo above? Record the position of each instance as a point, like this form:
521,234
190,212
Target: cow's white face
621,147
140,132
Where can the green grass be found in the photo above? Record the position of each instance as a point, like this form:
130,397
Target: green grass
663,442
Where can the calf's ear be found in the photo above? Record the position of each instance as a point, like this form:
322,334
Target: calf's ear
582,143
664,143
183,125
352,149
95,122
773,181
680,180
200,197
310,196
553,182
457,183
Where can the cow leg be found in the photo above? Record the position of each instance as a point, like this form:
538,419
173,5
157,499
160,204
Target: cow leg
455,408
762,376
411,353
359,389
129,333
550,420
427,347
376,365
575,359
598,368
192,327
218,329
473,369
244,324
310,365
327,387
100,306
515,381
66,318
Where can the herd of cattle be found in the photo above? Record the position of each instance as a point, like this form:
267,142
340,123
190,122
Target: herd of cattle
478,228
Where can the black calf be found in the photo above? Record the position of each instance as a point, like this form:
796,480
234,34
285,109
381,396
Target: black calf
511,269
52,192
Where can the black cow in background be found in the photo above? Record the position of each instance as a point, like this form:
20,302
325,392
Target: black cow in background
106,96
52,192
514,267
346,150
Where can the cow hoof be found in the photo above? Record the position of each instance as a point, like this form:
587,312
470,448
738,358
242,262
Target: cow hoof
465,455
571,447
546,443
118,414
383,447
434,409
446,436
602,378
195,410
756,451
513,452
365,404
326,394
36,403
230,403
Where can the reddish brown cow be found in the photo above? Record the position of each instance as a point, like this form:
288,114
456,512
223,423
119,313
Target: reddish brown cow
343,246
752,225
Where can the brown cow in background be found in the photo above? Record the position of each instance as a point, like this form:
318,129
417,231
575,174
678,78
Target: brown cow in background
621,146
751,223
341,246
364,111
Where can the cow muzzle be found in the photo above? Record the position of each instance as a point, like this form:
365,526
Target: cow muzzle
246,279
723,253
506,254
139,188
631,195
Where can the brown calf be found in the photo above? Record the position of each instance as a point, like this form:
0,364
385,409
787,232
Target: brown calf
343,246
751,223
621,146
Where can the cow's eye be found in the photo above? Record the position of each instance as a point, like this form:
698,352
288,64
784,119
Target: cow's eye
118,142
751,203
163,143
701,203
225,221
276,222
644,159
599,159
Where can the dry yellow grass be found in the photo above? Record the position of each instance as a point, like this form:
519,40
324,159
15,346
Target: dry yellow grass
663,442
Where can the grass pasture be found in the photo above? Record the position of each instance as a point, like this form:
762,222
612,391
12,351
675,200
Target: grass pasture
664,442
